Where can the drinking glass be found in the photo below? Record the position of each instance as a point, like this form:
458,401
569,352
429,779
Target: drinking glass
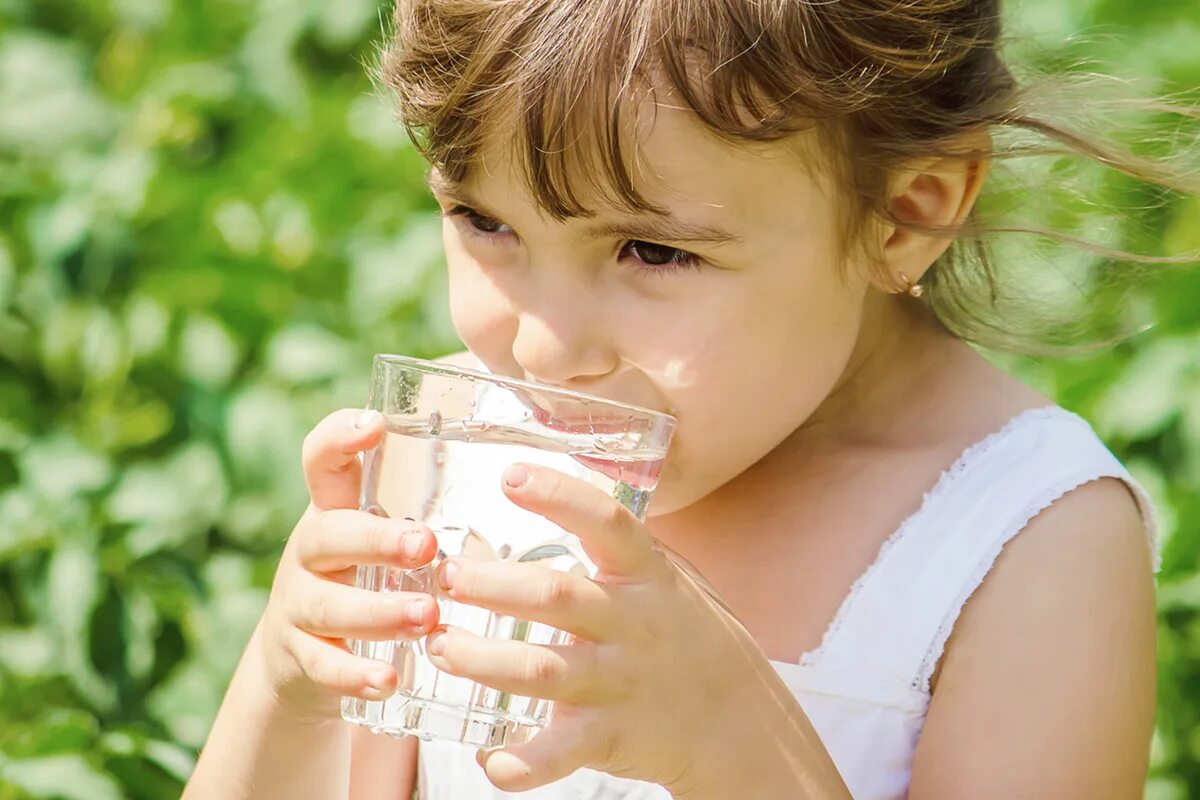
451,433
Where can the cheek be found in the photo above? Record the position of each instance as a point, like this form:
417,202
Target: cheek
748,375
479,308
736,337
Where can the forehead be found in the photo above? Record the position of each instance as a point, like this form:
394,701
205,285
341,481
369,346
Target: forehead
672,159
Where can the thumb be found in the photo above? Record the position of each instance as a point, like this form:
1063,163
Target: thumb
549,756
332,469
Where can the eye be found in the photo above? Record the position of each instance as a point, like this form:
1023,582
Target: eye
479,224
660,258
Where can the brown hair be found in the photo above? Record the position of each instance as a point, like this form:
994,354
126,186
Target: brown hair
887,81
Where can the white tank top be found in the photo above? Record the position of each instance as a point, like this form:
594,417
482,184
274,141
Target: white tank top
866,688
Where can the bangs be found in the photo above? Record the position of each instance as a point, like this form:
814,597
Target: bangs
570,85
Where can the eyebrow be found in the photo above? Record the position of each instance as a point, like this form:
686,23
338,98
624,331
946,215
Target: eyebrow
653,227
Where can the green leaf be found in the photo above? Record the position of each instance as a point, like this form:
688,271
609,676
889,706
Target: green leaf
142,14
208,353
60,468
175,499
141,624
292,236
1147,396
56,730
27,651
240,226
186,702
176,761
1166,788
8,274
303,353
388,272
262,435
61,777
25,527
47,103
72,593
145,326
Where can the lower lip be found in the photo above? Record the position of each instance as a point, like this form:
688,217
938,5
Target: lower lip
638,474
589,425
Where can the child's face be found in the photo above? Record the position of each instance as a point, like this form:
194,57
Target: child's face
741,340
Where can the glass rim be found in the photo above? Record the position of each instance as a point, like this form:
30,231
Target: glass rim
443,368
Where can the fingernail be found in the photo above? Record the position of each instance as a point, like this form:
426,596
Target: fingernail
446,575
435,643
517,475
410,544
366,419
416,611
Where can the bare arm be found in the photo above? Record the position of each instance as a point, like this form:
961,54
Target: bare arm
279,732
381,768
257,749
1047,687
262,747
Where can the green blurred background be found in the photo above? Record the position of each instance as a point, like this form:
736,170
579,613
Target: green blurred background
208,223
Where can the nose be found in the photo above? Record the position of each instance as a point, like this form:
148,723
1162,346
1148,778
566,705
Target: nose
560,340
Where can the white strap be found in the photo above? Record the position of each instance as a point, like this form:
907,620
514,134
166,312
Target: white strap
904,607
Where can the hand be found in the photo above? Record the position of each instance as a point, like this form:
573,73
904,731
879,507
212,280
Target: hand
314,605
657,677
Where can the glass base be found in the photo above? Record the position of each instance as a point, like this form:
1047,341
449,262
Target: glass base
403,715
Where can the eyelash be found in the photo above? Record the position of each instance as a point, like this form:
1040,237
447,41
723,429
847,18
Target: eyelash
680,259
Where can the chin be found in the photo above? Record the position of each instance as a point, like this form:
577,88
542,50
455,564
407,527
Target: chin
674,493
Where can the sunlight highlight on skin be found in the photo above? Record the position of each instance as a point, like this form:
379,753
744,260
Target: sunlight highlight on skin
673,374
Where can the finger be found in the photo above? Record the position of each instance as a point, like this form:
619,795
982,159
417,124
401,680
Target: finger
330,456
327,663
561,673
331,541
614,539
553,754
333,610
573,603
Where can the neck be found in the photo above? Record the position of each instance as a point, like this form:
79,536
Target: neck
901,354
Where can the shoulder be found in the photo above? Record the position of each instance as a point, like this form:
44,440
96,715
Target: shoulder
1092,535
1088,550
1052,662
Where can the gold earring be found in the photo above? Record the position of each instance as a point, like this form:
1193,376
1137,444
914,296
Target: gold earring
912,289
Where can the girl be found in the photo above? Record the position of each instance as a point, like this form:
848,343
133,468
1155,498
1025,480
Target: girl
757,216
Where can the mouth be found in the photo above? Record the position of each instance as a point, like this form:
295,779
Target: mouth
637,474
580,421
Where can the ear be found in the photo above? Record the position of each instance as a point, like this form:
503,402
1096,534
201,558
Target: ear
937,194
